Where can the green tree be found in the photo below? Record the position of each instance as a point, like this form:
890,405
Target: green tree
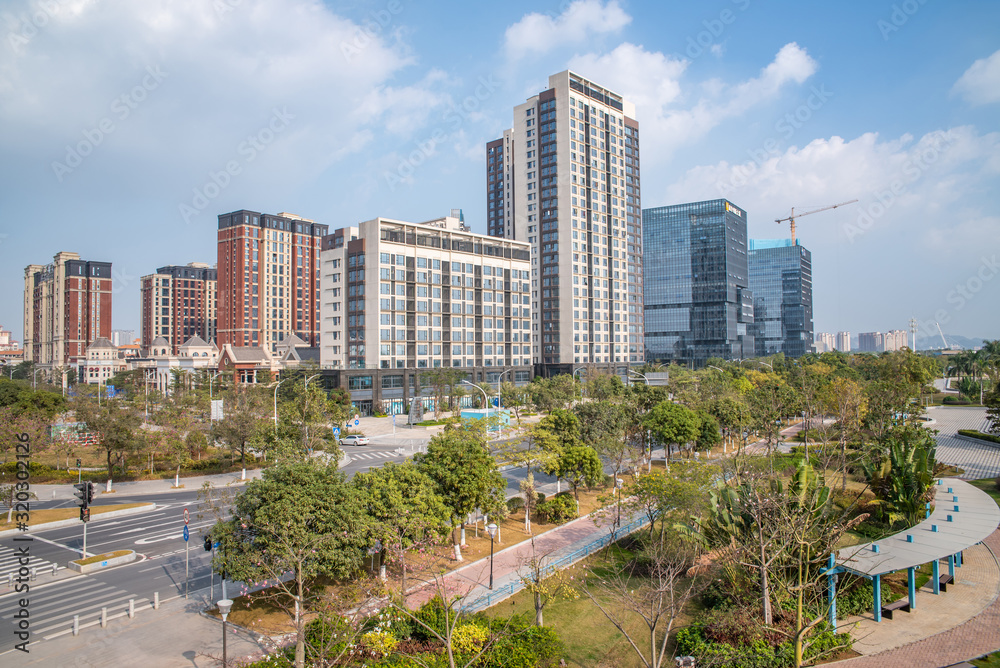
115,426
548,394
672,423
901,474
244,416
464,473
708,432
579,465
301,518
668,499
405,510
845,398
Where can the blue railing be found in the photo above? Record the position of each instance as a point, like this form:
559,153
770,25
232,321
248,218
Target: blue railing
493,597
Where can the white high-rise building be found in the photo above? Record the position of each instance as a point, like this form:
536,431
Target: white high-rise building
565,178
844,342
825,342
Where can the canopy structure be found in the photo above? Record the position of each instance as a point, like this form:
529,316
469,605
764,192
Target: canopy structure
963,516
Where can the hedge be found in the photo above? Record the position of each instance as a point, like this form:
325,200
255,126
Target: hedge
972,433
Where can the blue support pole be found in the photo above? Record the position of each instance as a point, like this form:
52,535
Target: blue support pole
832,592
961,560
877,595
951,566
911,580
935,574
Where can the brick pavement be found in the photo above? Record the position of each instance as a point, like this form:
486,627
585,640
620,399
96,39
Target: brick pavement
978,636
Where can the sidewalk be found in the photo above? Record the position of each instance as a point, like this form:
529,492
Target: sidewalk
472,580
174,635
49,492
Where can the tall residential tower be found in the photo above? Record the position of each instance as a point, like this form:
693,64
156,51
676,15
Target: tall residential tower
67,306
565,179
268,279
179,303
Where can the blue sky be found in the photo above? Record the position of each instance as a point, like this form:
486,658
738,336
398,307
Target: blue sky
125,128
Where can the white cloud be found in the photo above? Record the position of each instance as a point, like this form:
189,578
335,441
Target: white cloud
536,34
665,119
980,84
227,65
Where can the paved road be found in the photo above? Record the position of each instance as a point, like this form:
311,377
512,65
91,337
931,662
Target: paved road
979,460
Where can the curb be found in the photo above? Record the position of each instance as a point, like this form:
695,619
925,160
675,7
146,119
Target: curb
58,524
973,439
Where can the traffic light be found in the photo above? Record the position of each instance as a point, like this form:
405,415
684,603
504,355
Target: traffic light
90,493
208,543
84,514
82,494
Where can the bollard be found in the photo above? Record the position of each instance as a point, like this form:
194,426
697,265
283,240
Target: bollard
156,600
55,567
10,580
109,486
131,608
76,625
34,572
104,618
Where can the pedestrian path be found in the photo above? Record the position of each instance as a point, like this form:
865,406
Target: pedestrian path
10,563
373,455
53,606
956,626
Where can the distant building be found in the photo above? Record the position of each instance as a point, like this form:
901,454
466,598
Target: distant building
781,283
179,303
843,343
101,363
824,342
871,342
401,297
122,337
896,339
67,306
566,179
697,297
268,278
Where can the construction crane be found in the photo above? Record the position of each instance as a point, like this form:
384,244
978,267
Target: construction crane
943,340
792,217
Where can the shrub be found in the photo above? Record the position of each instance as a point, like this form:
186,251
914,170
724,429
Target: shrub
972,433
515,503
380,643
565,493
541,497
469,638
431,614
996,483
558,509
956,401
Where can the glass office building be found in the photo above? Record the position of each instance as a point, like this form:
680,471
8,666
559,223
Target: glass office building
781,281
697,298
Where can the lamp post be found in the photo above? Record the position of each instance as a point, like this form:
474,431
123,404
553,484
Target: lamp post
225,605
305,398
716,368
580,368
485,400
491,528
210,381
618,485
500,381
34,378
276,385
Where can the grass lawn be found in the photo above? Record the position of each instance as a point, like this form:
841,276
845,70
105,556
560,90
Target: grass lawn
988,485
591,640
56,514
990,661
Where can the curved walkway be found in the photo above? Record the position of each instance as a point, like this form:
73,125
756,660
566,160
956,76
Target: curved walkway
969,639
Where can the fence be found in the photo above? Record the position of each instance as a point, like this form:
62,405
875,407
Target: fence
493,597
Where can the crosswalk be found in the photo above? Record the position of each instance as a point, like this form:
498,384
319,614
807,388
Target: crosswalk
373,455
10,563
53,606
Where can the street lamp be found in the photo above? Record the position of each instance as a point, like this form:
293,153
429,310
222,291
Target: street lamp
618,485
225,605
210,381
305,398
491,528
716,368
485,400
34,378
500,381
580,368
276,385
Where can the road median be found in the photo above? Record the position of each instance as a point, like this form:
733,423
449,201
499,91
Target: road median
97,513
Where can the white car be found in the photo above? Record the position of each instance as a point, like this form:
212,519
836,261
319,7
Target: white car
354,439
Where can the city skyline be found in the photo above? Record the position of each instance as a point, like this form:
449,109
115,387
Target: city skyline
369,113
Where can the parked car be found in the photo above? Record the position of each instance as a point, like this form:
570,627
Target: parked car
354,439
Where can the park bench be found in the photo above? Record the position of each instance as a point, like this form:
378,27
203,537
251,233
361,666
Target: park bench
901,604
945,580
